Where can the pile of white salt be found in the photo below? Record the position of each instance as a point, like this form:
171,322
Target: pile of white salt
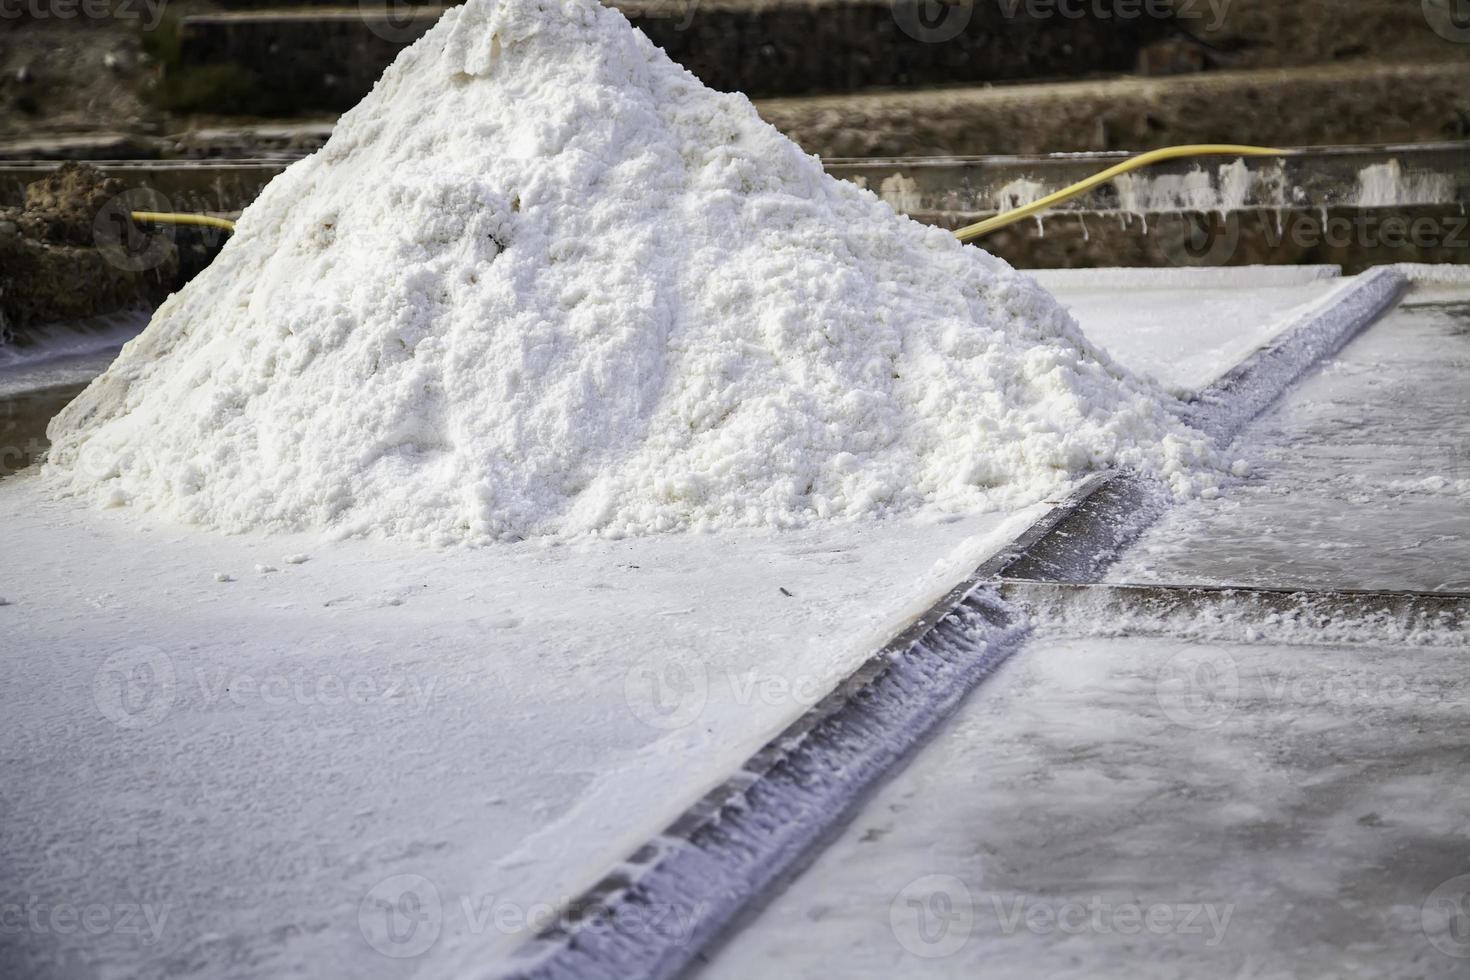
541,281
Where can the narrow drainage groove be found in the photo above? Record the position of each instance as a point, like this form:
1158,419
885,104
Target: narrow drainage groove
684,891
1246,613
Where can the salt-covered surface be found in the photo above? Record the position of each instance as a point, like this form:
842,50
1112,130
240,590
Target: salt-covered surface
483,719
542,282
1143,807
1359,478
1184,328
251,758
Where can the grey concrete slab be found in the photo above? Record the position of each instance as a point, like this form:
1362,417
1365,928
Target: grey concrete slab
1360,477
1146,807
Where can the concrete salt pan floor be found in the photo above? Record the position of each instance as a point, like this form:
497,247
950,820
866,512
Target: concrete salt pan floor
252,761
1175,782
1147,807
1360,476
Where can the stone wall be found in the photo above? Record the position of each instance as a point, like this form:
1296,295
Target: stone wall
329,59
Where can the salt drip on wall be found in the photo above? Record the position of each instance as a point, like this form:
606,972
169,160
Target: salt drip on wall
1227,190
901,193
1019,193
1384,185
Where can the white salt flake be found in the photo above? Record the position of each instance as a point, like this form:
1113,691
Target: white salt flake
542,282
223,577
297,559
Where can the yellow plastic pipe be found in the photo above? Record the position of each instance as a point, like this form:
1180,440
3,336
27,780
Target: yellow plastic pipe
972,232
966,234
169,218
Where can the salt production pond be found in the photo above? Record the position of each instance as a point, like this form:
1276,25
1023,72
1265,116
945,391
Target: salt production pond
1360,477
1149,807
1248,766
259,747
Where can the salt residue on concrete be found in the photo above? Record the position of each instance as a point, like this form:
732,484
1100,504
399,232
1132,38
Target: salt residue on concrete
543,282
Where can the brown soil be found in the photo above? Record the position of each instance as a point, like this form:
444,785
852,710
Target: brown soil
72,252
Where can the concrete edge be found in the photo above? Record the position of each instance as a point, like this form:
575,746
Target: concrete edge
1319,331
1291,617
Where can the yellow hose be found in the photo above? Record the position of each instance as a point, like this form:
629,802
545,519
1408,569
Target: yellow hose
972,232
168,218
966,234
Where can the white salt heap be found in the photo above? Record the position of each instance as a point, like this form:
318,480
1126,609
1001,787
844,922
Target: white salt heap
543,282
